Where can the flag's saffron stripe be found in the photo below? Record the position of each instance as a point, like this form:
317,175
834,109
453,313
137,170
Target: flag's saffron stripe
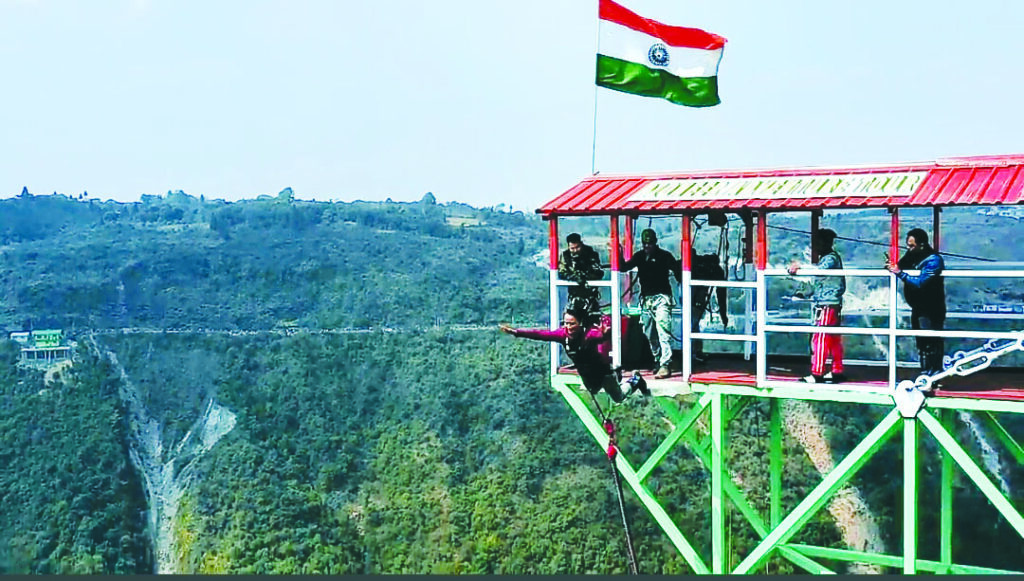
630,77
673,35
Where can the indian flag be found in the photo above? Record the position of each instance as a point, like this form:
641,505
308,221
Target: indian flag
641,56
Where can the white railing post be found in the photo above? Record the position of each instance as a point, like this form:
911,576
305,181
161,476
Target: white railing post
616,320
762,341
893,324
685,346
748,319
555,316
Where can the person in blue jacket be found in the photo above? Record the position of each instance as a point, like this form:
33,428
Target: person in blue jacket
926,295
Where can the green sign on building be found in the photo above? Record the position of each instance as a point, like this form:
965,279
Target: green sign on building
47,337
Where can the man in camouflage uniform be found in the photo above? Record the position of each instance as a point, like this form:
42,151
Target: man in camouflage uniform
579,264
654,266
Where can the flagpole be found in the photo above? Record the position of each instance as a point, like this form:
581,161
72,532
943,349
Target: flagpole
593,145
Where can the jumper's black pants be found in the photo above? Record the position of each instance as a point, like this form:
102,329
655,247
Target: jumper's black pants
613,388
609,382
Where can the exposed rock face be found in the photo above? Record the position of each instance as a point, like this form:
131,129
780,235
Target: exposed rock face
166,478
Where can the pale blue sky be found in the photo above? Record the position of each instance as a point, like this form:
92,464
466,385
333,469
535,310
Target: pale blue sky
483,102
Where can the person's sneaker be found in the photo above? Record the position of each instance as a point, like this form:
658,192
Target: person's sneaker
628,384
639,384
834,377
662,373
813,379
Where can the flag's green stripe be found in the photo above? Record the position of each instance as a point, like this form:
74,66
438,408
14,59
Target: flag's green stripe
630,77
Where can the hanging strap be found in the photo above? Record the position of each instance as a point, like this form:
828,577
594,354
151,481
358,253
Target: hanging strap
612,451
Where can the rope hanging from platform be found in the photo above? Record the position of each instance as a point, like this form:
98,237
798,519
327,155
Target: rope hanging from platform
611,453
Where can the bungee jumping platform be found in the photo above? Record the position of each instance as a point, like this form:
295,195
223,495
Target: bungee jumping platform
755,365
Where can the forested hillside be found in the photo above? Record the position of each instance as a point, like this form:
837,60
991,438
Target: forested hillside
382,425
185,263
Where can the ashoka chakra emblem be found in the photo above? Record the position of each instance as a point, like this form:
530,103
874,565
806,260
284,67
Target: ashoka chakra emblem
658,55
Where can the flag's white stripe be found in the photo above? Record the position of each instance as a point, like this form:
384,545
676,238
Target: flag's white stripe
627,44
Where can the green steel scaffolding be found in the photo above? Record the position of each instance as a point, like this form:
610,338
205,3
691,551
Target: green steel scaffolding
775,532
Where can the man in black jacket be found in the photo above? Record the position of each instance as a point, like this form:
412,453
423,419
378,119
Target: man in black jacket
653,266
926,295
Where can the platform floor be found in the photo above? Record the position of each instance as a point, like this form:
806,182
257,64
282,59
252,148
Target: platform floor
1002,383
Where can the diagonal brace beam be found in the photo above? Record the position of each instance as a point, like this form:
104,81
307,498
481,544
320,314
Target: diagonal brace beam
896,561
756,522
835,479
700,450
727,416
1004,436
682,426
630,476
975,473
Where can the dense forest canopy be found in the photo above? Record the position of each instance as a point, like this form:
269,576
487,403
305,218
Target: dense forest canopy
382,425
186,263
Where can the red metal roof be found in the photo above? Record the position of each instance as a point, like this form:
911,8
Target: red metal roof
981,180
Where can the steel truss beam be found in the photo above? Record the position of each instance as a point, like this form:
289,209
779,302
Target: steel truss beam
710,450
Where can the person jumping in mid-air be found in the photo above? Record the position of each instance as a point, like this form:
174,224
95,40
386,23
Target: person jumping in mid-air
589,348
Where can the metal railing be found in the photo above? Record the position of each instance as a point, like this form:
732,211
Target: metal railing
755,319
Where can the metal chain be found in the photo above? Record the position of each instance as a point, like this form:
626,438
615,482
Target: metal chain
965,363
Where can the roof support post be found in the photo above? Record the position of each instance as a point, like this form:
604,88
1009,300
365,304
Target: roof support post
909,496
748,237
614,258
815,225
762,239
615,304
748,258
553,311
761,295
553,242
629,234
894,235
685,252
936,228
627,250
894,255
